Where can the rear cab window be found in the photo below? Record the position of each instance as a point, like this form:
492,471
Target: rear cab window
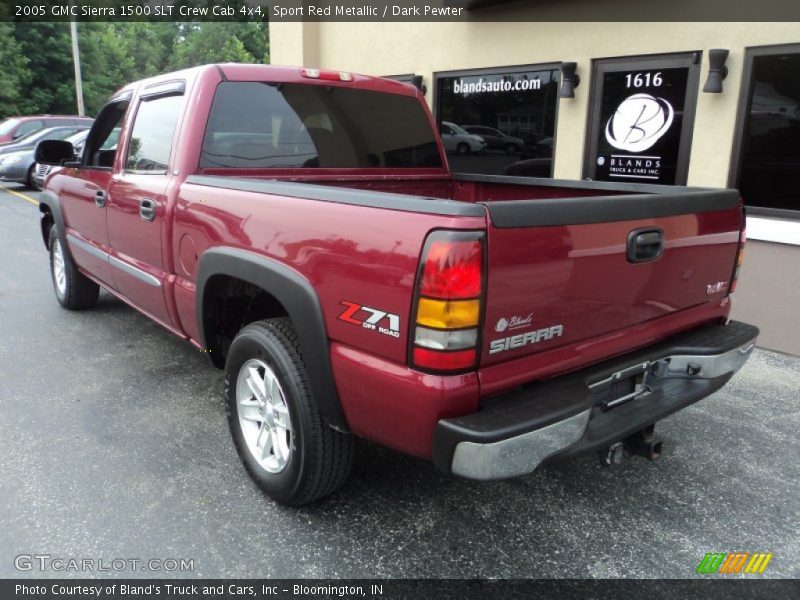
267,125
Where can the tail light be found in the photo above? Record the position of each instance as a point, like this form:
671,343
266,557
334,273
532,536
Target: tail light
448,303
326,75
739,260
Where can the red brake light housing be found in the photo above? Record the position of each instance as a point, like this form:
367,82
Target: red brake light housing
448,302
739,257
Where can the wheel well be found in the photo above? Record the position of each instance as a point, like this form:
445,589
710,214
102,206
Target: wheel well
47,222
229,304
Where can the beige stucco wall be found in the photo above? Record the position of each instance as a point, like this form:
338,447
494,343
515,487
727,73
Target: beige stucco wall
423,48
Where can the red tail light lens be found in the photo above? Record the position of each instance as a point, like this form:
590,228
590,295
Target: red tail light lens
448,302
739,260
452,269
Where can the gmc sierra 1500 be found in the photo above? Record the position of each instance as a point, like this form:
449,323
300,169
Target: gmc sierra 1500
303,228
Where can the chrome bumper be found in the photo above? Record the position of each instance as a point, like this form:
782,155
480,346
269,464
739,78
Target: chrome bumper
522,454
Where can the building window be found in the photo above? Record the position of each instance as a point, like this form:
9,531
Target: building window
641,117
767,159
499,121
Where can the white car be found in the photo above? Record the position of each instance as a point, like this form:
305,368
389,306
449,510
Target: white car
457,139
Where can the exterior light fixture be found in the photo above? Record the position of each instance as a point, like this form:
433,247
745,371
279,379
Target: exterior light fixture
569,80
717,71
416,81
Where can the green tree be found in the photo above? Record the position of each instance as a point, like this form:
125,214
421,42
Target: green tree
105,63
14,75
47,48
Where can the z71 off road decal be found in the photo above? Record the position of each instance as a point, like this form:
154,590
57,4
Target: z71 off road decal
371,318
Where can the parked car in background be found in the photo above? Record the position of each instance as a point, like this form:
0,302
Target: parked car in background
40,172
14,128
457,139
536,145
496,139
530,167
17,160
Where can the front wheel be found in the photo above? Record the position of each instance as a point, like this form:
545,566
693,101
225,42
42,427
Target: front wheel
281,438
73,290
462,148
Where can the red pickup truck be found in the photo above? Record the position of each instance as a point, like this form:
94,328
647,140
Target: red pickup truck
301,226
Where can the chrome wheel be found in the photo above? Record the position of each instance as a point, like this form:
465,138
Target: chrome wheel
59,272
264,416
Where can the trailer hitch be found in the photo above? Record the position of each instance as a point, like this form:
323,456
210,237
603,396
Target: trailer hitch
644,443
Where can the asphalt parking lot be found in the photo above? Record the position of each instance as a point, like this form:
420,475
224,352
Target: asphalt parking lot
114,444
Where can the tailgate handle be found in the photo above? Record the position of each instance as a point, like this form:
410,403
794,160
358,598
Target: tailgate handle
645,245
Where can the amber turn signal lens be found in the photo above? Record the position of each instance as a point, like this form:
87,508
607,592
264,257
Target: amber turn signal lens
448,314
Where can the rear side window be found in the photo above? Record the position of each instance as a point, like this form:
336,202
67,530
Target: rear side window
28,127
263,125
151,137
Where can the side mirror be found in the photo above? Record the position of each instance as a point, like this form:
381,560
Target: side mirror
54,152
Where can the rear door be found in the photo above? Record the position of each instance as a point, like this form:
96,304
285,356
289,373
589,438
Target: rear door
567,270
137,209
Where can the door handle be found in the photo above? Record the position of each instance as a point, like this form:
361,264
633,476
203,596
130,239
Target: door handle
147,209
645,245
100,198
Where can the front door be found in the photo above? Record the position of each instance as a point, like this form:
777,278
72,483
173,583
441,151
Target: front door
137,207
84,197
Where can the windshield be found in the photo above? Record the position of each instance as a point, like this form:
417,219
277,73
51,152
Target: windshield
262,125
459,130
7,125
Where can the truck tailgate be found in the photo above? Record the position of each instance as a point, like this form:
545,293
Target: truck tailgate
562,271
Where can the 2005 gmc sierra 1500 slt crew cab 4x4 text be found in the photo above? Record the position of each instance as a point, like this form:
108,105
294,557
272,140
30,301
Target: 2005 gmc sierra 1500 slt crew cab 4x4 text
302,226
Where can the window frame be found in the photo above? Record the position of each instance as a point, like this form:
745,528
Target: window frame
88,143
743,121
152,93
691,58
548,66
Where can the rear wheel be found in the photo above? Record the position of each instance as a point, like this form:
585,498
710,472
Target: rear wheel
281,438
73,290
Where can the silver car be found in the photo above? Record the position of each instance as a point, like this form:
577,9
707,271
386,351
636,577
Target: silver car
456,139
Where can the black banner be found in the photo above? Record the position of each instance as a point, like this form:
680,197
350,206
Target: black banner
264,589
396,11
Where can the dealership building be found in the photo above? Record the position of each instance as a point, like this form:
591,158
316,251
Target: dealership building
691,103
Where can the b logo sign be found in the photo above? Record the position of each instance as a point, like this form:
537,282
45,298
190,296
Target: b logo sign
639,122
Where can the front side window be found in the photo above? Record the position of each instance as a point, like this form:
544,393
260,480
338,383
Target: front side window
153,130
770,161
265,125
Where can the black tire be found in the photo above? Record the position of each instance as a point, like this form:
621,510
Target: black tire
29,179
462,148
320,457
512,149
78,292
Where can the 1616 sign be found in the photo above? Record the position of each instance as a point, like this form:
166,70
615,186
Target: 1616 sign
639,133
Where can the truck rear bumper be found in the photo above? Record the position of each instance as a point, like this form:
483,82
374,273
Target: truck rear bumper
588,410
